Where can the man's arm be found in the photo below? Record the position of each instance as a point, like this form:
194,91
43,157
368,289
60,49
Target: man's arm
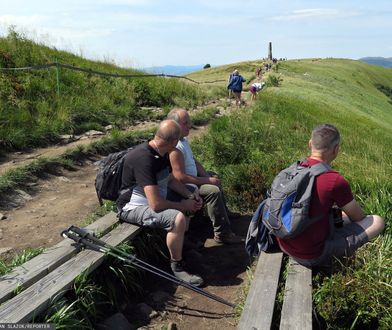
354,211
157,203
200,169
178,170
201,172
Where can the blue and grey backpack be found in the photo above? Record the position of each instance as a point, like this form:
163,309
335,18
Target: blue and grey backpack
286,211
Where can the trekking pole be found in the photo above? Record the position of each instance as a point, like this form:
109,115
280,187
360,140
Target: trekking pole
84,238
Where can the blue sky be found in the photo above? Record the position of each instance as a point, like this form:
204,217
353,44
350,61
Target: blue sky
141,33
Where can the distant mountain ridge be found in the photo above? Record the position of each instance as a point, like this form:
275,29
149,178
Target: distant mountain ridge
386,62
174,69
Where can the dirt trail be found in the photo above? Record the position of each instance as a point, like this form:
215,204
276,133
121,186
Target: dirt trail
53,203
57,202
24,158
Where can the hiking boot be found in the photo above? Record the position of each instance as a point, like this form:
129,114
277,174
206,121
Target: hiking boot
179,272
228,238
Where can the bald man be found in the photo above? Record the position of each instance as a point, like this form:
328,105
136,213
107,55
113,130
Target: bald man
148,166
321,241
189,171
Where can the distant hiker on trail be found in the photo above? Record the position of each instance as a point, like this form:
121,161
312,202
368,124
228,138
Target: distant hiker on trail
259,72
230,92
148,166
255,88
189,171
235,85
322,240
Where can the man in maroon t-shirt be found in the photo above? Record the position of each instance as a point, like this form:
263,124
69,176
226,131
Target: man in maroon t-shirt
319,242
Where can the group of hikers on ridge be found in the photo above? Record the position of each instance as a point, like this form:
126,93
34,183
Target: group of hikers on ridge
169,183
235,87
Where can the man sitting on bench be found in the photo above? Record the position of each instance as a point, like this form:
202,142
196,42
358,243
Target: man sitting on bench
321,241
189,171
148,166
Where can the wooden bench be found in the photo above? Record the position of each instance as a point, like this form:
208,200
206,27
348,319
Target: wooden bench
260,303
51,273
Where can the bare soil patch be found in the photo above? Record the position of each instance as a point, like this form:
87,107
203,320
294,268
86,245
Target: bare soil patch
223,267
56,203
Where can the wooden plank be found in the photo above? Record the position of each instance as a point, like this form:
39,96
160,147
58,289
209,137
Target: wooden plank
297,304
36,268
35,299
259,305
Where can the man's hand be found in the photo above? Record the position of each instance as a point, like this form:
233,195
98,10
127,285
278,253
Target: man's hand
191,205
196,195
214,180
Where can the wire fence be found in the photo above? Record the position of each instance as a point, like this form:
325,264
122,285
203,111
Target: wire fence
114,75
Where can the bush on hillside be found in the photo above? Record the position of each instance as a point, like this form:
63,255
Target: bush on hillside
274,80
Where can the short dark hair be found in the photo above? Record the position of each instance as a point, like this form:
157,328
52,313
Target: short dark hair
324,137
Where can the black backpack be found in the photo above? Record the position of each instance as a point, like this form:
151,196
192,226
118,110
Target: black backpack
108,179
286,210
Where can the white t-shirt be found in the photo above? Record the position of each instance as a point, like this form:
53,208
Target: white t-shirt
190,164
139,198
258,85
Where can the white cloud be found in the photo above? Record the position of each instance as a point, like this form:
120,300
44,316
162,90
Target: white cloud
315,13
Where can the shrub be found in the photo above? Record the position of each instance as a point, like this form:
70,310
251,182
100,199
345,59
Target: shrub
274,80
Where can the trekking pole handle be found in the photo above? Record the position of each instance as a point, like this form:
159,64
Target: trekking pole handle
80,231
87,234
82,241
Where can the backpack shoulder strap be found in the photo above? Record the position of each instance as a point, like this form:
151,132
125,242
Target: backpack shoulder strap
319,168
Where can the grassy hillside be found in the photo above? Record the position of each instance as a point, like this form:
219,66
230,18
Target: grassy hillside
247,70
38,105
250,147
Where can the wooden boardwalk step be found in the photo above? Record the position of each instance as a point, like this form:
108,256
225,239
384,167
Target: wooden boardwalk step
297,303
35,299
259,305
36,268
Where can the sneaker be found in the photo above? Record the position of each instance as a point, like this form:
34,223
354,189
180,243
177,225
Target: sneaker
229,238
179,272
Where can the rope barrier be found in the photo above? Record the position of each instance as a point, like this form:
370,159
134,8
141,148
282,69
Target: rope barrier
114,75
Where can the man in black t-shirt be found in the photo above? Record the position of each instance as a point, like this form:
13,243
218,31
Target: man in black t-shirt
148,166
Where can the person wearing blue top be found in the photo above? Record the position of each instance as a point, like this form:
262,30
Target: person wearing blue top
235,85
228,82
